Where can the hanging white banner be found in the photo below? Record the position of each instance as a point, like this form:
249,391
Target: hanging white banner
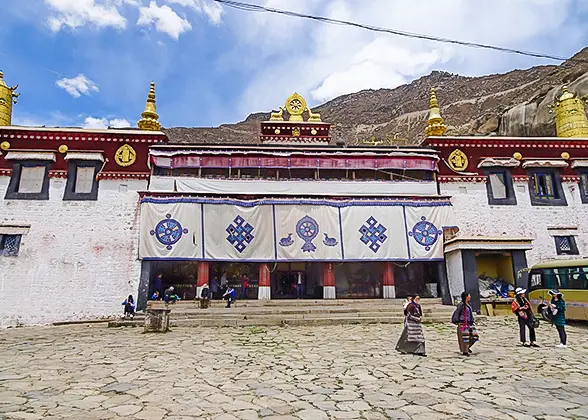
374,233
170,231
425,230
238,233
308,233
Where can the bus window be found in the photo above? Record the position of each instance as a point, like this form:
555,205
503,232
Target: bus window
578,278
535,280
550,279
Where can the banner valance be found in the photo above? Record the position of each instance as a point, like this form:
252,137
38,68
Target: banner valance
293,230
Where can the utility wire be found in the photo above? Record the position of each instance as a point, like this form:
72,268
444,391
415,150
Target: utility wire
256,8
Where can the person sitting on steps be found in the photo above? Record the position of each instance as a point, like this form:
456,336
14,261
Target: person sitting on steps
229,296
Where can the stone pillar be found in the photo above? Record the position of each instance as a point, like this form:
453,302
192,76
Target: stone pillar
388,281
329,281
519,262
264,291
144,286
470,278
157,320
203,276
446,298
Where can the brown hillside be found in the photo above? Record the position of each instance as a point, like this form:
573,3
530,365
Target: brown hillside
516,103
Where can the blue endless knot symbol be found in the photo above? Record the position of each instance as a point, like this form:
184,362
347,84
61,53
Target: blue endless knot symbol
373,234
240,233
425,233
168,231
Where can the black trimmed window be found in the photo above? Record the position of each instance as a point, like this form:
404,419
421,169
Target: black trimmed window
584,187
29,180
9,245
566,245
81,180
545,188
499,187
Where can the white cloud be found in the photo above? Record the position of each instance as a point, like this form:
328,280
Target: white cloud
77,86
77,13
165,20
322,61
205,7
103,123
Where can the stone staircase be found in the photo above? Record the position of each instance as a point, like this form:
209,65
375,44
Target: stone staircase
292,312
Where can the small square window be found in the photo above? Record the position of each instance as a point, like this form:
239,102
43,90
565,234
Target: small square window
29,180
545,189
566,245
499,187
9,245
81,180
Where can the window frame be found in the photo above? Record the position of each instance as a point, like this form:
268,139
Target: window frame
70,187
3,242
583,191
557,188
573,245
511,198
12,190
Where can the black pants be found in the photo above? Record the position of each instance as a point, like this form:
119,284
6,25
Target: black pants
525,323
563,337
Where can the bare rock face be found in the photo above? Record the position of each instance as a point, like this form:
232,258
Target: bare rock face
517,103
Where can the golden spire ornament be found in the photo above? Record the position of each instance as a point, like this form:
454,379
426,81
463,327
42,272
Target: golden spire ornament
435,124
149,117
7,98
570,115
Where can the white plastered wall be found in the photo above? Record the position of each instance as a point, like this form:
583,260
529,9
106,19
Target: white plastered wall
79,259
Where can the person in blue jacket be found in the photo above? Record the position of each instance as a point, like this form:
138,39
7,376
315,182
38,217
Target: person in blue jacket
558,309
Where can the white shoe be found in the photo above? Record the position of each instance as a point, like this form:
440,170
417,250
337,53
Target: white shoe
561,346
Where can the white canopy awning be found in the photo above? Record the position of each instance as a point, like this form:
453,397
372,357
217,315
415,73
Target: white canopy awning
545,163
580,163
84,156
499,162
23,155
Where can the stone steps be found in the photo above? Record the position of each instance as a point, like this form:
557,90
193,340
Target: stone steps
295,313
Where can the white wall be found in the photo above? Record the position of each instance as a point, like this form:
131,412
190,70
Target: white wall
79,260
475,217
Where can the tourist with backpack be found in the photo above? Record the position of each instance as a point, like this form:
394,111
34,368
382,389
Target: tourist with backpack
521,307
558,311
463,317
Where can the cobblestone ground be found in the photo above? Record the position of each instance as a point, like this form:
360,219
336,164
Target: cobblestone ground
313,373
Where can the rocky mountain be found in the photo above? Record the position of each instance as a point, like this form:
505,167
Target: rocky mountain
516,103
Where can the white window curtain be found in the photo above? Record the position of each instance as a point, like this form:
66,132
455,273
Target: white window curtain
31,179
84,179
498,187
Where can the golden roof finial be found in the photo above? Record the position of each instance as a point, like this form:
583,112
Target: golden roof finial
7,98
149,117
570,115
435,124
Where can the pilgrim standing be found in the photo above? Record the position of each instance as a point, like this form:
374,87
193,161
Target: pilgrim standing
204,296
522,309
158,284
463,317
245,286
558,309
412,339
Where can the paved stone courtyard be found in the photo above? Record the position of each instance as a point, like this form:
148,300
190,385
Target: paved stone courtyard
313,373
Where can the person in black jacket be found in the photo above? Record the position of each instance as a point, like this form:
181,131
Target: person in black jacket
463,317
522,308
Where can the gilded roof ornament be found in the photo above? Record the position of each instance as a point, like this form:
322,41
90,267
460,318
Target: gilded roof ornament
149,117
295,106
435,124
8,96
570,115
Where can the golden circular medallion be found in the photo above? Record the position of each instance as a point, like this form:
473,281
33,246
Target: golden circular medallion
125,155
458,161
565,155
295,104
63,148
5,145
313,131
277,131
517,155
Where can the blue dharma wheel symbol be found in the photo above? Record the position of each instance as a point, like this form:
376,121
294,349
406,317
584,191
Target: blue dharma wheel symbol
425,233
168,231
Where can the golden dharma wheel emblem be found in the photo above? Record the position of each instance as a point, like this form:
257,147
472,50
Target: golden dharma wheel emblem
125,155
458,161
295,104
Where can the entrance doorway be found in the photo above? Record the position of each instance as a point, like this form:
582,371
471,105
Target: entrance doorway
236,275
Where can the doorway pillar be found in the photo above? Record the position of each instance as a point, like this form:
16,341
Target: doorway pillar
329,291
264,291
203,276
388,281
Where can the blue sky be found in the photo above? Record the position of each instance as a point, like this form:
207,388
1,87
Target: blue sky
89,62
